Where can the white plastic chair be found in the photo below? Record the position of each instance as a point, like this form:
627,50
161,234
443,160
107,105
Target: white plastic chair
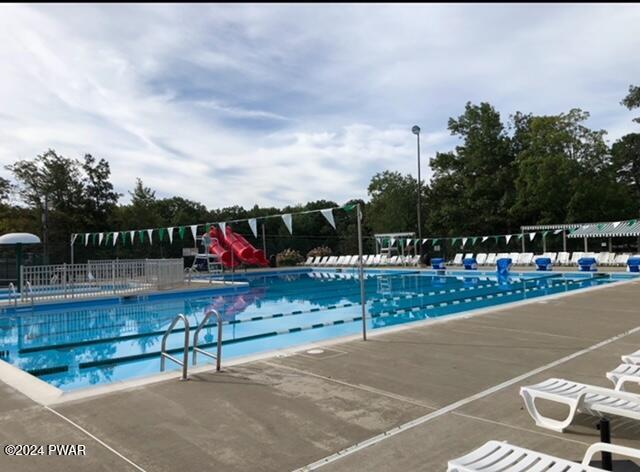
580,398
575,256
564,258
481,258
491,258
457,260
497,456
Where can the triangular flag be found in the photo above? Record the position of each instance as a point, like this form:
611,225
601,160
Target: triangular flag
133,235
223,228
253,224
616,224
464,241
86,238
161,232
181,231
194,231
150,233
473,240
392,241
532,236
508,237
288,221
453,241
484,238
207,228
115,237
349,207
100,237
544,233
434,241
520,236
328,214
424,241
409,241
557,231
170,233
73,238
141,235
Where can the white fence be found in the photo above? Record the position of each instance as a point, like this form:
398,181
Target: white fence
99,278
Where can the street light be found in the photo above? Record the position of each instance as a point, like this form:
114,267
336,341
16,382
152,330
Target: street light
416,130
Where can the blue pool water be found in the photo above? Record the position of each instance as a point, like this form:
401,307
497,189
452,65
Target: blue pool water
82,344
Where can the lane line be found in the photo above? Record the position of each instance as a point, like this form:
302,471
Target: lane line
98,440
453,406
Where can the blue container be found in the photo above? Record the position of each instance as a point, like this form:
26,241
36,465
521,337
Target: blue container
633,264
504,265
470,263
544,263
437,263
588,264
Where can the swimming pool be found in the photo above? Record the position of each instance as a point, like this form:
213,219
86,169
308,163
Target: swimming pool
83,344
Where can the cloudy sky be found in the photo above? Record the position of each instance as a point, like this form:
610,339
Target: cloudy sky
280,104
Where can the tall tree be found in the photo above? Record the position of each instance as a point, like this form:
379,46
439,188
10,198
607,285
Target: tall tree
100,197
472,188
393,202
632,100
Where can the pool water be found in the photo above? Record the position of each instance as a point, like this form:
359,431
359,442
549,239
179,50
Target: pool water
78,345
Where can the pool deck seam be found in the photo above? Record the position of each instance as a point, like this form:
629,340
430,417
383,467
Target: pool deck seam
365,388
459,403
95,438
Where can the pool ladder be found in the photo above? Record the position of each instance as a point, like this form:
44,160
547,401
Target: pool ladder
185,353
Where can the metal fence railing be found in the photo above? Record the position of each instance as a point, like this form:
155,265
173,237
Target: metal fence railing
98,278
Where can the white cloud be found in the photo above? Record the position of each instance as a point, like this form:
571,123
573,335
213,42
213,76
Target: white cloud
280,104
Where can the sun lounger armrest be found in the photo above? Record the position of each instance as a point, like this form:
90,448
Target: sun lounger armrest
613,448
622,379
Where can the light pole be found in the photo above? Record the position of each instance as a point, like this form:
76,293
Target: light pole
416,130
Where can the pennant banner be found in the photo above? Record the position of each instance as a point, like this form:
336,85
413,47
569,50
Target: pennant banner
328,214
150,233
223,228
557,231
532,236
181,231
161,232
253,224
288,221
484,238
464,241
170,234
508,237
86,238
133,235
141,235
115,237
100,238
194,231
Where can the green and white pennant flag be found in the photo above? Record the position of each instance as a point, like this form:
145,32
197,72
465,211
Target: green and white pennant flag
464,241
557,231
288,222
253,224
132,235
194,231
150,233
115,237
532,236
484,238
223,228
86,238
508,237
170,233
328,214
100,237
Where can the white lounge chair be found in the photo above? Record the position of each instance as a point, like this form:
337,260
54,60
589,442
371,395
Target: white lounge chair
526,258
633,358
414,260
331,261
621,259
376,259
580,398
491,258
551,255
309,261
322,261
515,257
497,456
564,258
468,255
481,258
624,373
457,260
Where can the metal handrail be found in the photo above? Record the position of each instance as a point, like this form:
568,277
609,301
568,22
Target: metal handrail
196,349
185,358
13,294
30,291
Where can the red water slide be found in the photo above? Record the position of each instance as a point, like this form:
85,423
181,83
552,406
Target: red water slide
232,249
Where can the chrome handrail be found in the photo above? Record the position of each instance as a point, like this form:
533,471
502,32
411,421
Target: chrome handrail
30,291
196,349
13,294
165,355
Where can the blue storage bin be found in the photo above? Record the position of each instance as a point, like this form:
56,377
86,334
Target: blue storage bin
470,263
588,264
437,263
504,265
633,264
544,263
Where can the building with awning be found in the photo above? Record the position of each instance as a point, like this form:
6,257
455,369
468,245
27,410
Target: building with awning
545,229
611,229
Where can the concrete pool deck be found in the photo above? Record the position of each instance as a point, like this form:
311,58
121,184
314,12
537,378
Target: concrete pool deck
437,391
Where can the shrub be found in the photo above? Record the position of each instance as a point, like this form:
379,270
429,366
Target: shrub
320,251
289,257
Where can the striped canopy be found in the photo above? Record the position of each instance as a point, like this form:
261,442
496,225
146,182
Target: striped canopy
604,230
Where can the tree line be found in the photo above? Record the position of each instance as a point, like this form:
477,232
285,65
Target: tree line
528,169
